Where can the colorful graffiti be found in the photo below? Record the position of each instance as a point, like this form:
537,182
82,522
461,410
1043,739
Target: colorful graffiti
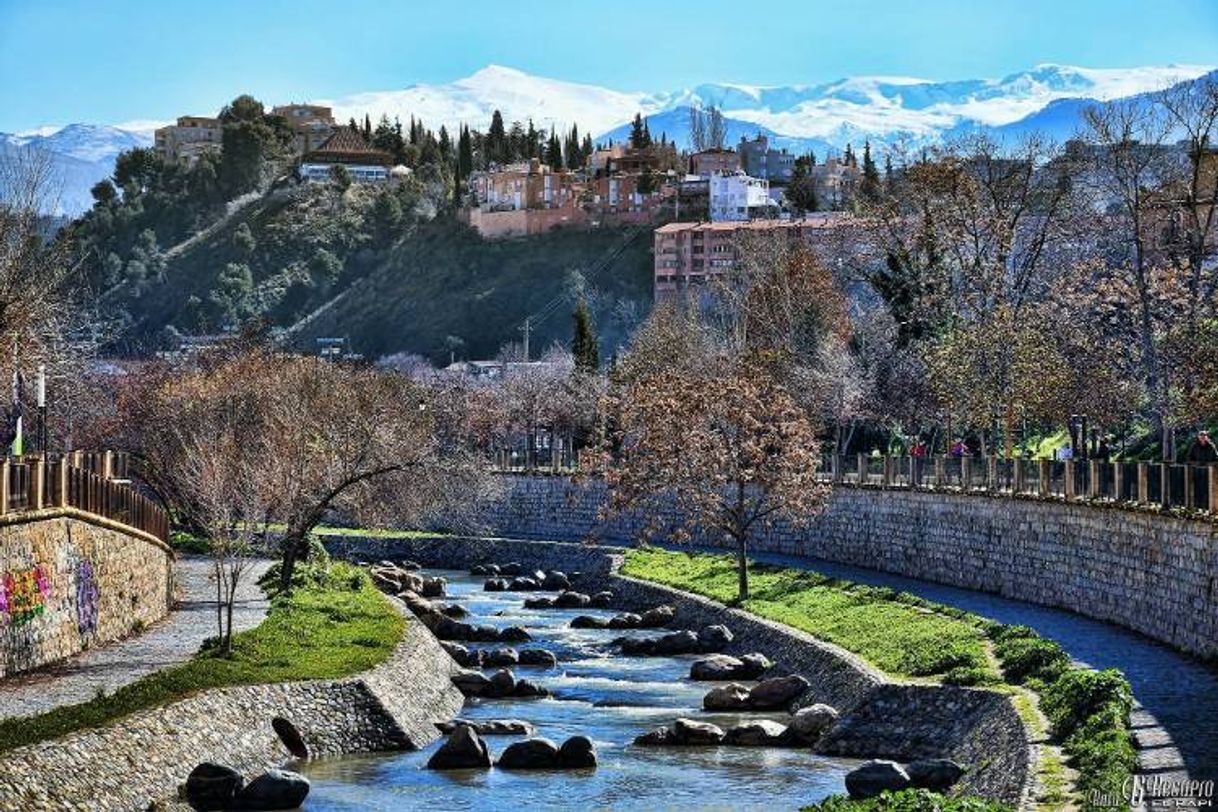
25,595
87,594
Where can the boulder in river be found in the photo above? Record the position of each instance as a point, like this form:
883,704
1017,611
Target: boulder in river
434,587
626,620
572,600
682,642
480,569
290,736
511,569
556,581
513,634
273,790
657,616
810,723
530,754
714,638
454,610
471,683
527,688
938,774
682,732
490,727
577,753
539,602
723,667
463,750
730,697
500,657
495,585
538,656
874,777
589,622
501,683
523,584
777,692
602,600
759,733
212,786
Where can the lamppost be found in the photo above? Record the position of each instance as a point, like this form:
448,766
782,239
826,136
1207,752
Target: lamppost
42,410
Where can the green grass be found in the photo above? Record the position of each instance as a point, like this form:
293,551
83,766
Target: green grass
897,636
333,624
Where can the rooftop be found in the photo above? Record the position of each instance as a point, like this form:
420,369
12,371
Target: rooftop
825,220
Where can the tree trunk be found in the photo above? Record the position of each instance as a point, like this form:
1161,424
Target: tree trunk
294,548
742,563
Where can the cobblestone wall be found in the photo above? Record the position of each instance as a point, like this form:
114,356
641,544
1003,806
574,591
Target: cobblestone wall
145,757
1157,575
67,584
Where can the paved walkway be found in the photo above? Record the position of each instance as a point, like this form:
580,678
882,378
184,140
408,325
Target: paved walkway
1175,720
110,667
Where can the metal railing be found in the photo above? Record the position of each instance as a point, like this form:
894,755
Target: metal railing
91,482
1163,485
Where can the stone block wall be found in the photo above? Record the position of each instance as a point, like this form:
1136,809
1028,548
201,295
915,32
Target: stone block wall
67,583
144,758
1157,575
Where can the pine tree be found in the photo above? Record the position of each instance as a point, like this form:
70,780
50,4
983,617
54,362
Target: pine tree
801,190
637,132
465,154
584,343
367,127
870,186
554,152
496,140
888,173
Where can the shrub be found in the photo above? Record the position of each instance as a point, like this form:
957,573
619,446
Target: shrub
1026,657
968,675
1096,699
909,800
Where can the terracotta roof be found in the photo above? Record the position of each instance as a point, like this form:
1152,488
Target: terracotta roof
826,220
348,146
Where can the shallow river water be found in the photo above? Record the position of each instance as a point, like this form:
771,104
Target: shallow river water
599,694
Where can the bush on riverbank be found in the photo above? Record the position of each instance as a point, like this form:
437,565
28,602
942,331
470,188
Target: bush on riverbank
334,624
909,800
1089,711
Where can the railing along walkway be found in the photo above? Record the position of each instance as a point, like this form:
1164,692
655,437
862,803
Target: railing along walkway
91,482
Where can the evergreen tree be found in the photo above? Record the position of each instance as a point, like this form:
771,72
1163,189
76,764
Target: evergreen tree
801,191
554,152
465,154
646,134
638,132
586,149
584,343
870,186
367,127
496,140
888,173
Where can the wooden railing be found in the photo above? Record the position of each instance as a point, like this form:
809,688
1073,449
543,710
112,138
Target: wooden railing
1162,485
91,482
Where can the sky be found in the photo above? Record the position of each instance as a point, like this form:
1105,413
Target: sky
117,61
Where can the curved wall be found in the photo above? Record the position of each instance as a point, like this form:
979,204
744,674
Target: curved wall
67,583
1157,575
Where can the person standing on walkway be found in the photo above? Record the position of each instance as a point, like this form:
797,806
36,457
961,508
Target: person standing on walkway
1203,451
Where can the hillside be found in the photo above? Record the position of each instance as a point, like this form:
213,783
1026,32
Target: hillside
317,262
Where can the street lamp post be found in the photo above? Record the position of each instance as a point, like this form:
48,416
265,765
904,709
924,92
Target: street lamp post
42,410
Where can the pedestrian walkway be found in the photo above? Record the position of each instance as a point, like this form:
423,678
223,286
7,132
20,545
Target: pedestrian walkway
172,641
1175,721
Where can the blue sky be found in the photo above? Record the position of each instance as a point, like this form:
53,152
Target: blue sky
117,60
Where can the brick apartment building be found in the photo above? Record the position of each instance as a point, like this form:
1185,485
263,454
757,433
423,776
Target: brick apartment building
688,254
311,125
188,138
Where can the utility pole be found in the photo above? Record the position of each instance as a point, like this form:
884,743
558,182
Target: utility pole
525,329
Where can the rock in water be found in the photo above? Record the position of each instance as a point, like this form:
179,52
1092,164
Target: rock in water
572,600
938,774
530,754
716,668
290,736
875,777
589,622
657,617
273,790
777,692
755,665
464,750
810,723
538,656
602,600
500,656
471,683
577,753
714,638
490,727
212,786
514,634
730,697
760,733
688,731
556,581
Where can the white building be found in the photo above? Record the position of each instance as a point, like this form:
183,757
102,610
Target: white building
737,196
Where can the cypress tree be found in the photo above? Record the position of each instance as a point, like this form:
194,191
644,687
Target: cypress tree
465,154
870,186
583,343
496,140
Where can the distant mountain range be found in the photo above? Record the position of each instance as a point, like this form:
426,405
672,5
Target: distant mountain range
822,118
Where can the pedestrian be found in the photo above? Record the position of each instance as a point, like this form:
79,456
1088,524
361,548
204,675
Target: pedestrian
1203,451
959,449
1103,451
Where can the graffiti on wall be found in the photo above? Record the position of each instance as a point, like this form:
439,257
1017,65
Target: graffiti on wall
25,595
87,594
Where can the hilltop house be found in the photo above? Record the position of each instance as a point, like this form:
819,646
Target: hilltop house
759,160
311,125
188,138
347,148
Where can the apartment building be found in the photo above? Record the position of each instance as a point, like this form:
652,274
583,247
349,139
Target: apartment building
759,160
739,197
688,254
714,162
188,138
311,124
521,199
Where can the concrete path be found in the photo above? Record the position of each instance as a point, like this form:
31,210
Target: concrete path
174,640
1175,720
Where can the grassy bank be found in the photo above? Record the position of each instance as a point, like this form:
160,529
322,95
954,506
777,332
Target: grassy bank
906,636
333,624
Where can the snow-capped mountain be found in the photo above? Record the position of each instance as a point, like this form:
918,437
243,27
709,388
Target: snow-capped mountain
820,117
82,154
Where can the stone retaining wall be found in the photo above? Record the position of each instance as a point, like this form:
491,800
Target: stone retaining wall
145,757
1157,575
881,718
68,583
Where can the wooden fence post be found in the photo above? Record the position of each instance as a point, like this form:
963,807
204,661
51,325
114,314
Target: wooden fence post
5,473
862,468
1190,500
991,474
1069,485
938,472
1212,471
1143,482
1118,481
1017,476
1043,473
37,483
1165,484
107,471
1093,478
